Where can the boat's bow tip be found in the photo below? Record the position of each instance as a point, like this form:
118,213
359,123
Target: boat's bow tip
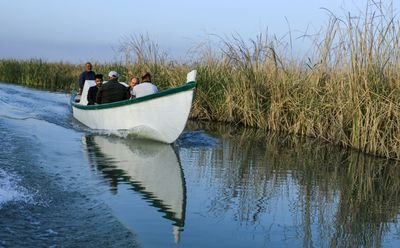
191,76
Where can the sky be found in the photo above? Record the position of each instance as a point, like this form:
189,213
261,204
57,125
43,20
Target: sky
93,30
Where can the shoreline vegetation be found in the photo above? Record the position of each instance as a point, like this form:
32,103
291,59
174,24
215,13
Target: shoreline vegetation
347,92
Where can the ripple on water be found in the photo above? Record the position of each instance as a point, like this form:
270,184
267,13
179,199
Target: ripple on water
197,138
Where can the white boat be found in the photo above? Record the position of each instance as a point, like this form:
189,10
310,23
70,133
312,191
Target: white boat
152,169
161,116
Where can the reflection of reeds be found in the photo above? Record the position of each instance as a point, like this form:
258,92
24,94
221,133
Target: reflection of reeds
370,194
347,92
347,196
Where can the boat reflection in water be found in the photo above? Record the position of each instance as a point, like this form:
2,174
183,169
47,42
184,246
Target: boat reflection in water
151,169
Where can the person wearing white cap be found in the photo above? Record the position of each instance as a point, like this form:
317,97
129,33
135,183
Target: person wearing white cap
113,74
112,91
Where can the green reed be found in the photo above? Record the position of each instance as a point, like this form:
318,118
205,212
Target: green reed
347,92
38,74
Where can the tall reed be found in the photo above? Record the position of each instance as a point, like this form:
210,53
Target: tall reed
38,73
349,95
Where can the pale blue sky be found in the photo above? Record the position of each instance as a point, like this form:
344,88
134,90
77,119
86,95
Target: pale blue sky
77,31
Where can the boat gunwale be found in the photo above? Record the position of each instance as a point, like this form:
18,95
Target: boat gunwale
182,88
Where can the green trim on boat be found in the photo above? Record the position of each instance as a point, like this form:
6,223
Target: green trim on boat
185,87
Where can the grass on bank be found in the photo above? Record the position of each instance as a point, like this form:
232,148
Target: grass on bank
347,93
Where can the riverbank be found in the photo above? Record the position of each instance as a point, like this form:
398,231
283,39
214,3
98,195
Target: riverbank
347,93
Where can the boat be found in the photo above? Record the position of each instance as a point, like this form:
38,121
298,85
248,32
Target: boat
161,116
152,169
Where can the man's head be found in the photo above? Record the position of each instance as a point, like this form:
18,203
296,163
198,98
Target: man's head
88,66
146,77
134,81
112,75
98,78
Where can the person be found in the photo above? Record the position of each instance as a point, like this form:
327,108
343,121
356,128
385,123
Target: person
88,74
112,91
134,81
92,93
146,87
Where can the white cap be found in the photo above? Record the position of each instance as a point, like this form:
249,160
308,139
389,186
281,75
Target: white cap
113,74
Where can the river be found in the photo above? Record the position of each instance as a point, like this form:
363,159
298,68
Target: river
64,185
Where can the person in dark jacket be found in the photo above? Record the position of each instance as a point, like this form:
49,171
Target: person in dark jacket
92,93
88,74
112,90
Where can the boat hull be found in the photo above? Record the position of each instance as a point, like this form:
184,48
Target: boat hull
161,116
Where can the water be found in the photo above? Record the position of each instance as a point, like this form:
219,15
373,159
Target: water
63,185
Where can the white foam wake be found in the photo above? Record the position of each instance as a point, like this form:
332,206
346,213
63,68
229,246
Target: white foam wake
11,191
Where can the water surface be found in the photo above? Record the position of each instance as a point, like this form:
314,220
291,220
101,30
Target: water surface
63,185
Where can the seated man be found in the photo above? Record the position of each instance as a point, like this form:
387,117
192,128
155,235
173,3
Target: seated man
112,91
134,81
92,93
144,88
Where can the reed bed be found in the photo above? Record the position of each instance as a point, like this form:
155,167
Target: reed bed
37,73
346,92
